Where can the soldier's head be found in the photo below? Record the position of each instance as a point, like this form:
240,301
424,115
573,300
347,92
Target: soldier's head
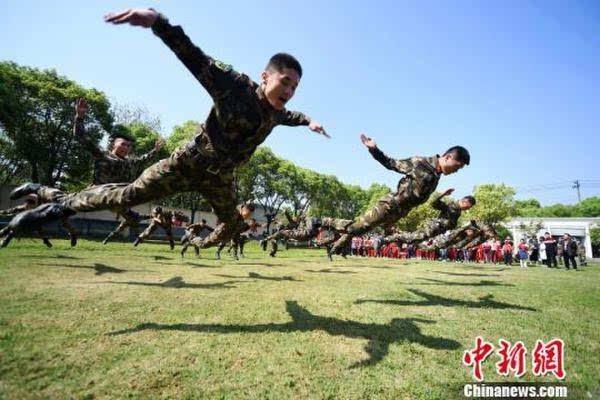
157,210
203,221
280,79
470,232
246,210
31,202
454,159
466,202
489,231
121,141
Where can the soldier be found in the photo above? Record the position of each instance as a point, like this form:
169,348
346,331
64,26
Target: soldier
115,166
131,219
160,218
30,203
32,220
245,222
308,229
243,115
192,231
581,253
445,221
421,177
457,238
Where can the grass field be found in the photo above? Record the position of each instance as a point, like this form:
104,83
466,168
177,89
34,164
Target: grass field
114,322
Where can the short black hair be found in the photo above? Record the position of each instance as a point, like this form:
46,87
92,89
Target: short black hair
249,206
120,131
284,60
30,200
471,200
460,154
203,220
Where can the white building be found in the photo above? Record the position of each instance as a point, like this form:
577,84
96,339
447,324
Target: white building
579,228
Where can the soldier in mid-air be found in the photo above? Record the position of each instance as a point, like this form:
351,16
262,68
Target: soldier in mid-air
243,115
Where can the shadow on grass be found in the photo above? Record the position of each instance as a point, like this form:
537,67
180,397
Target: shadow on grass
380,336
480,283
177,282
254,275
434,300
261,264
99,268
330,271
461,274
50,255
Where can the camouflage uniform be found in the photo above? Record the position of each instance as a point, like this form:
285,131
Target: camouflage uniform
66,223
131,219
159,218
213,238
239,121
420,179
192,231
309,229
455,238
32,220
447,220
581,253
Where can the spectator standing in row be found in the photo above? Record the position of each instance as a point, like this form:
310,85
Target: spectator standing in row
569,247
507,250
542,252
522,252
550,245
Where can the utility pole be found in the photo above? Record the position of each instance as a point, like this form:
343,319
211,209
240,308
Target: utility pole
577,185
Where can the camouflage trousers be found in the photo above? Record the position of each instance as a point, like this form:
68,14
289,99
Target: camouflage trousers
154,226
309,230
433,227
189,168
388,210
129,220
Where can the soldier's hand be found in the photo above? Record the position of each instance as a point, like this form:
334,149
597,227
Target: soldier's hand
158,144
317,127
448,192
367,141
81,107
137,17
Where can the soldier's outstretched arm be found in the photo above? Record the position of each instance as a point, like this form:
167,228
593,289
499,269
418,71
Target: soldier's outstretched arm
216,77
9,212
140,160
438,204
296,118
401,166
81,109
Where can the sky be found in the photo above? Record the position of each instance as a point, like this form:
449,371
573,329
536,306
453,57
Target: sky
515,82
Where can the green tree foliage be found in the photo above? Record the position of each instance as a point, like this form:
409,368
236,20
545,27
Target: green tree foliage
495,203
36,125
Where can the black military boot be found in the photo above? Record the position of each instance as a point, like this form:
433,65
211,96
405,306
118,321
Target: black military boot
137,241
47,242
24,190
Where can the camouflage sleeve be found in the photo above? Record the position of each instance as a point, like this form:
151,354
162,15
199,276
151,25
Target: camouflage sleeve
12,211
439,204
401,166
293,118
140,160
217,77
88,145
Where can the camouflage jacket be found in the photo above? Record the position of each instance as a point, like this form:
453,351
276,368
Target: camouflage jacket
241,118
198,227
420,176
108,168
10,212
449,239
449,212
162,218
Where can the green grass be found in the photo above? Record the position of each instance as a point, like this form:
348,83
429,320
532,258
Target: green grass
114,322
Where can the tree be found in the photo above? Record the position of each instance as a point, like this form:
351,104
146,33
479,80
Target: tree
495,203
36,124
532,228
192,201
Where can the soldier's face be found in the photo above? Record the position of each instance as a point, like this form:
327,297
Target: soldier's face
246,213
470,232
121,147
464,204
279,87
449,165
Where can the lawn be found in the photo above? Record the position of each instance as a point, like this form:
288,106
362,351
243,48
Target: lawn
116,321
